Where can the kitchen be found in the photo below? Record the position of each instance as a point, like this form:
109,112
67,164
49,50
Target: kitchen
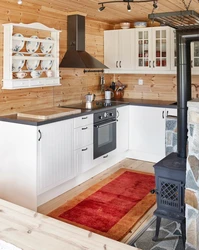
75,81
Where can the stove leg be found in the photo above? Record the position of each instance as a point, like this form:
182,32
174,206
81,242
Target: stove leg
158,221
183,232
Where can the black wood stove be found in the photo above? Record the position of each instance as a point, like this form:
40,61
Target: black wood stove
170,172
170,186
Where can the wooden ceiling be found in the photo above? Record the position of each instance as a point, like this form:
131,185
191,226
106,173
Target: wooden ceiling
115,13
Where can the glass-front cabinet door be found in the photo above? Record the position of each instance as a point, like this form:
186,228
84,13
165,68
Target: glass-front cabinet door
153,48
161,48
195,57
173,50
143,51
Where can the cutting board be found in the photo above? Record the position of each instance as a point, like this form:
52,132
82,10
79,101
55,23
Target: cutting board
48,113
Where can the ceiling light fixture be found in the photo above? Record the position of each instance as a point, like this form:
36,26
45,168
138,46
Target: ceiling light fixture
19,2
128,5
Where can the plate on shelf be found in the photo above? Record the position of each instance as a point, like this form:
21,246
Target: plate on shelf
17,45
17,64
46,47
32,46
32,64
46,64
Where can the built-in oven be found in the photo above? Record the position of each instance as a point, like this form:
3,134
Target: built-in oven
104,132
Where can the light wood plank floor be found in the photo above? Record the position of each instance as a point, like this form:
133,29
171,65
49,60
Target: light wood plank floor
127,163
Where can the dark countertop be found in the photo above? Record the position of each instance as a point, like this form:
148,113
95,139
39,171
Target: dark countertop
119,103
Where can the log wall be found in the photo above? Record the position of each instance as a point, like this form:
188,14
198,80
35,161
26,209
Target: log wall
75,84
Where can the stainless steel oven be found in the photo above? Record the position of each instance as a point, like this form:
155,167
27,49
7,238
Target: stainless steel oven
104,132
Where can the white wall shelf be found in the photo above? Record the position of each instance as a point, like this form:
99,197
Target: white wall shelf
10,81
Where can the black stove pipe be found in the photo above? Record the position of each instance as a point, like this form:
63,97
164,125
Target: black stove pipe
183,41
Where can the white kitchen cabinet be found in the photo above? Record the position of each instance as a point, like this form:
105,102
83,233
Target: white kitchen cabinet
55,154
122,129
34,160
83,143
147,132
153,49
41,55
119,49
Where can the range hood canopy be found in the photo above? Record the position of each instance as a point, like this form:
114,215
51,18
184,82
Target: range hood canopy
180,20
76,56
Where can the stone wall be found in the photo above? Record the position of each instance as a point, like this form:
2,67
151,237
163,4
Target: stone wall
192,177
171,134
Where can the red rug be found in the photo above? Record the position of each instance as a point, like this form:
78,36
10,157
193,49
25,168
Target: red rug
101,207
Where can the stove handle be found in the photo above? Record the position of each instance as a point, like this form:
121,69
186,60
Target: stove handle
105,124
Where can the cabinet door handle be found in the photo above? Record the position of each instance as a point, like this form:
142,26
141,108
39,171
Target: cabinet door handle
85,128
162,114
120,64
167,112
149,64
105,156
40,135
116,64
153,64
84,118
84,149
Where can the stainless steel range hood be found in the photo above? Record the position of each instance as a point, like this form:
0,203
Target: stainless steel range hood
179,20
76,56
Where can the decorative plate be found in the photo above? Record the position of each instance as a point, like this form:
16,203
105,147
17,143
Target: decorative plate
32,46
17,45
46,64
32,64
46,47
17,64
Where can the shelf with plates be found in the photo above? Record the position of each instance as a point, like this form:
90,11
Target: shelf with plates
31,56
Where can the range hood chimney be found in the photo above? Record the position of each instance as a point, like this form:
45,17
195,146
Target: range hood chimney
76,56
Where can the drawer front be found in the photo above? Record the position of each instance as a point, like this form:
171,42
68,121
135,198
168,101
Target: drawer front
83,120
83,136
83,158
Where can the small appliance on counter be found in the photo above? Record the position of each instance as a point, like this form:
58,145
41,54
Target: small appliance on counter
89,99
108,94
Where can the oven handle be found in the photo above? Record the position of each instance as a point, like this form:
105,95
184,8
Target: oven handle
105,124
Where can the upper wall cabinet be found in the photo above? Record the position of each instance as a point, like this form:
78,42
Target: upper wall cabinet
31,56
138,50
119,49
153,49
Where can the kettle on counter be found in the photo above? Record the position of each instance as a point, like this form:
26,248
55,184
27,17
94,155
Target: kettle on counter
90,97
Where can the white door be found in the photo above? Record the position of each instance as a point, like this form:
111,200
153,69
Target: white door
125,49
55,150
122,129
147,133
111,49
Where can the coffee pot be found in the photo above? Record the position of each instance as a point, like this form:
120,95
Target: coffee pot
90,97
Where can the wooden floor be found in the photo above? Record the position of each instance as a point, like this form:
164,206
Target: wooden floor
127,163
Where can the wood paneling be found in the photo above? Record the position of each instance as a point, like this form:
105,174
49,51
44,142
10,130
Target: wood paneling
76,84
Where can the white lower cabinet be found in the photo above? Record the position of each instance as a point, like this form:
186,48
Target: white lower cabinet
83,143
55,154
122,129
147,132
83,158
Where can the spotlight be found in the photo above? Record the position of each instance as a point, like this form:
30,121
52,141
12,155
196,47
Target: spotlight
155,5
19,2
101,8
129,7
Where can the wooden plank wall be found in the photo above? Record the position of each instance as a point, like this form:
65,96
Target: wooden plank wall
75,84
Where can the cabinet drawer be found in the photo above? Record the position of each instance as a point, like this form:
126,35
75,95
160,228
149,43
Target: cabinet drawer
83,120
83,136
20,84
83,158
104,158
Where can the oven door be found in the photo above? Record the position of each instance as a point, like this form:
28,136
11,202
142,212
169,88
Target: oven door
104,137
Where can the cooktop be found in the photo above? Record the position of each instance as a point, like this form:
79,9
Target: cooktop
94,105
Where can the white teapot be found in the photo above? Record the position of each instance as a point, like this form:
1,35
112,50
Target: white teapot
20,74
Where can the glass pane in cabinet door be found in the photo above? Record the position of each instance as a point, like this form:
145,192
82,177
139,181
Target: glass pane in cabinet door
140,35
163,33
157,34
196,49
140,62
164,62
140,48
164,48
157,62
157,48
146,35
196,62
146,62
